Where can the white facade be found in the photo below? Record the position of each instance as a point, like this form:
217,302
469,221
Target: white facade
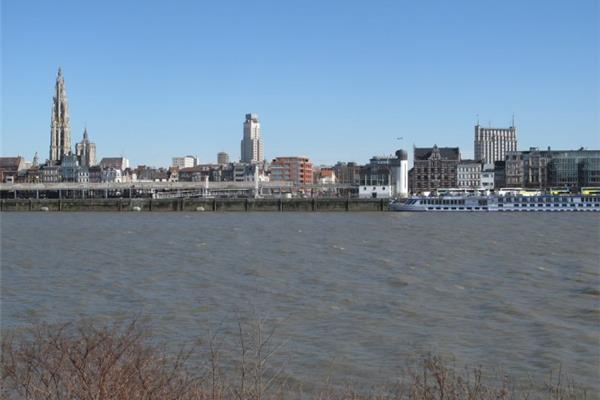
468,175
326,180
400,173
251,146
184,162
83,175
375,192
487,177
112,175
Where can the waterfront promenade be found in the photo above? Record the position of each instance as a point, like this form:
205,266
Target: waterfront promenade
183,196
164,190
195,204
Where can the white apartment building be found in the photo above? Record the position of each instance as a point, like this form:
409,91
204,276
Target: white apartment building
468,174
184,162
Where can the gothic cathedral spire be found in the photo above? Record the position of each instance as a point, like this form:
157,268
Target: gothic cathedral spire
60,133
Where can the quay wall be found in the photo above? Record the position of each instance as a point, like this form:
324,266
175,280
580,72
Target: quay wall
196,204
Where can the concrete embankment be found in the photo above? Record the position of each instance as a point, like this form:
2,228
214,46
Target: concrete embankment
194,204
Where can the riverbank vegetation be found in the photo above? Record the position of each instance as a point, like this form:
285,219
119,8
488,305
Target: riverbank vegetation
122,362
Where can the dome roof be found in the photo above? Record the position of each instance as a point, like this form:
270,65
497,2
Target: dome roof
402,155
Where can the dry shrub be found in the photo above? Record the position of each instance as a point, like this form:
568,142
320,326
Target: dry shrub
85,362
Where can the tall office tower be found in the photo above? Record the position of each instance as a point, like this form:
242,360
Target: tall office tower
252,146
60,134
86,151
492,144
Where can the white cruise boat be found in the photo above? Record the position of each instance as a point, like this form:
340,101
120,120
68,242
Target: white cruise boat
500,203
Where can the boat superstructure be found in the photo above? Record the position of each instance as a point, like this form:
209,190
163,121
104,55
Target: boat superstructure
517,203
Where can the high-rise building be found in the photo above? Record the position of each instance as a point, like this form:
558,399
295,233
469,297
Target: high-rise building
252,146
86,151
492,144
60,134
222,158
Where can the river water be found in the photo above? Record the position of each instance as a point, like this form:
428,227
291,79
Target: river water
353,295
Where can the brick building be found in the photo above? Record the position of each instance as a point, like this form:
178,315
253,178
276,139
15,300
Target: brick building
292,169
434,168
10,167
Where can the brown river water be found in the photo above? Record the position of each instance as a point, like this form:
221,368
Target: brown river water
353,295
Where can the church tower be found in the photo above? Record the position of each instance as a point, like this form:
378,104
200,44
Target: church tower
60,134
86,151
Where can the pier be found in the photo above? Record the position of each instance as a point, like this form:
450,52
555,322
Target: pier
184,196
195,204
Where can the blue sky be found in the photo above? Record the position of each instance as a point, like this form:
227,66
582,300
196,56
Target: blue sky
334,80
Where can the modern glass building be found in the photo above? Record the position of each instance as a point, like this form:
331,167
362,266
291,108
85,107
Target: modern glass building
554,168
574,168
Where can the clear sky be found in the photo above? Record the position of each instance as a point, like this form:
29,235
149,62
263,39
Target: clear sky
334,80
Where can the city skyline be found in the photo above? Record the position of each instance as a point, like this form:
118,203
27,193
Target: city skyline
326,110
